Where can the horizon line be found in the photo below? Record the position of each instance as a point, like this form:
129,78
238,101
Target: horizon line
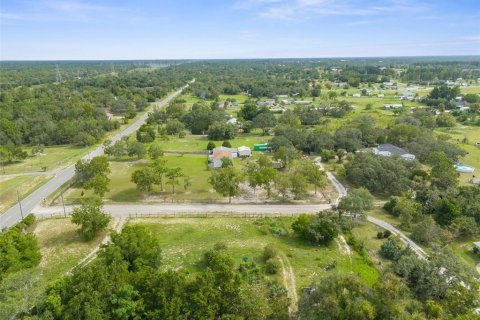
250,58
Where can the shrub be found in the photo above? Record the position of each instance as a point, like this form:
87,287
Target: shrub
318,229
379,235
211,145
272,266
391,203
387,234
226,144
269,252
391,249
28,221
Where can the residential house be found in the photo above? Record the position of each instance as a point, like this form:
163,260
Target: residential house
217,154
235,122
388,150
215,158
266,103
406,95
392,106
356,95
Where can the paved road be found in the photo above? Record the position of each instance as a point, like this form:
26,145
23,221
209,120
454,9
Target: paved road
14,215
342,191
415,247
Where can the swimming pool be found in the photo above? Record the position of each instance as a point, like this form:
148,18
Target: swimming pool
460,167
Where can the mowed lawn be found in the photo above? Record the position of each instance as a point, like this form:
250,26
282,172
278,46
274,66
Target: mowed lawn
23,184
123,190
52,158
458,133
199,142
185,240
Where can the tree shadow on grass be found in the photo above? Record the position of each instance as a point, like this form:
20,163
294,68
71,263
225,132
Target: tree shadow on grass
63,239
127,195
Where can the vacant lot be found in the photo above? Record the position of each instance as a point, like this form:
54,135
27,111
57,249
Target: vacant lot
185,240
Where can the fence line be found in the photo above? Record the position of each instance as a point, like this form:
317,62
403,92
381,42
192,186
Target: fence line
213,214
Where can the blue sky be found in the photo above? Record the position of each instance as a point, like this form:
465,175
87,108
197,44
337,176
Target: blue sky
176,29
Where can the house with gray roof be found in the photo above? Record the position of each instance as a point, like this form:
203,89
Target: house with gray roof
388,150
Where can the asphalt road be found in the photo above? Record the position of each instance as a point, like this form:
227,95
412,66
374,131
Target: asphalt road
342,191
14,215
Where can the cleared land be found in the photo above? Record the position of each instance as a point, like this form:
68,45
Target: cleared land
184,241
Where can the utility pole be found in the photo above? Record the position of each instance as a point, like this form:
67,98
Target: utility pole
63,204
20,204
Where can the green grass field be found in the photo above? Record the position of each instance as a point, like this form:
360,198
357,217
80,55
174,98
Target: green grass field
52,158
184,241
458,133
23,184
123,190
199,142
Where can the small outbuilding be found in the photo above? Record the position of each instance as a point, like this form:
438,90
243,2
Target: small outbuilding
244,152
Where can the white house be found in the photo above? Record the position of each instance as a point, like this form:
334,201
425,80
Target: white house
381,95
356,95
266,102
388,150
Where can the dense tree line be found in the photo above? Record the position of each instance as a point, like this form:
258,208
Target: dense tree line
126,282
74,111
18,248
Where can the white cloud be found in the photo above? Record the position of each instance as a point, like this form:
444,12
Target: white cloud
472,38
67,10
304,9
76,7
